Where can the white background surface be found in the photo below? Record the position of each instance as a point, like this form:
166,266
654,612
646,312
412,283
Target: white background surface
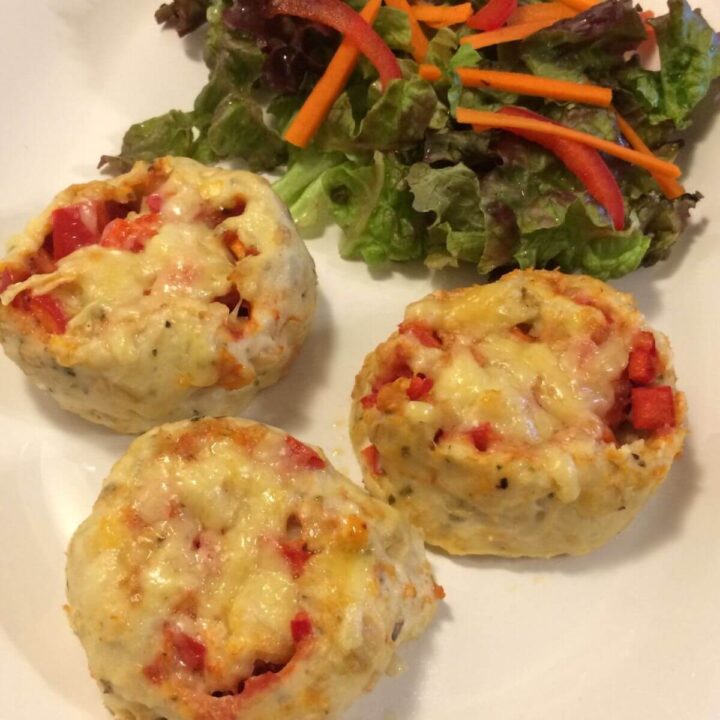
630,632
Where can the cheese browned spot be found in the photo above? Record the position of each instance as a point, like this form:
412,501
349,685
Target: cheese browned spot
503,418
173,291
227,571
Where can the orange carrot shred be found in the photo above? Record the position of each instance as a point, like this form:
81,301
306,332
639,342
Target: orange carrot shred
510,33
672,188
580,5
540,11
526,84
442,15
317,105
482,120
418,40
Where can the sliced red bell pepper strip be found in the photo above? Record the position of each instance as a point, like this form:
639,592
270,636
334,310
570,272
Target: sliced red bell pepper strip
642,365
10,275
75,226
653,408
305,456
419,387
582,161
340,16
493,15
300,627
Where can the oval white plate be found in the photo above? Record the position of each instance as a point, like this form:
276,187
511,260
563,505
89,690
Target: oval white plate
632,631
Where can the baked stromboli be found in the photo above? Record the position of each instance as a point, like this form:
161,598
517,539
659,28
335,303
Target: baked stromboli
532,416
170,292
229,572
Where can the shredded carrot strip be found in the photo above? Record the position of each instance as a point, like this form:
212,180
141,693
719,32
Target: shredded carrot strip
317,105
482,120
670,187
442,15
580,5
525,84
418,40
431,73
540,11
506,34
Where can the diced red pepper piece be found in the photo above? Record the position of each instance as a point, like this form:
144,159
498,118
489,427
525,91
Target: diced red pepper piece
131,235
296,554
369,401
340,16
481,436
189,651
46,309
155,671
424,333
394,370
419,387
10,275
653,408
300,627
584,162
75,226
305,456
493,15
371,456
642,365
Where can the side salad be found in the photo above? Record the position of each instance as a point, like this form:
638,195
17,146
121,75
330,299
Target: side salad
503,133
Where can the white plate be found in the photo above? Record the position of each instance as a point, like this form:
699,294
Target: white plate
630,632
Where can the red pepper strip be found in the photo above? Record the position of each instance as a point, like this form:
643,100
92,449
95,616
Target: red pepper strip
9,276
190,652
296,554
424,333
300,627
493,15
75,226
653,408
419,387
336,14
305,456
642,365
481,436
131,235
371,456
45,309
582,161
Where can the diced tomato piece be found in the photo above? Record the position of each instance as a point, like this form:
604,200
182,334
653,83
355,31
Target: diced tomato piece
9,276
46,309
296,554
369,401
424,333
371,456
419,387
642,365
189,651
300,627
653,408
131,235
481,436
305,456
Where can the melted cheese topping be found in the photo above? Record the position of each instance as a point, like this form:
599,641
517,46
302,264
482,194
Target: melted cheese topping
148,327
221,531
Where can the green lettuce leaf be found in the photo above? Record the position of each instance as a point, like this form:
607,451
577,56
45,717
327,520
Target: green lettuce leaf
393,26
